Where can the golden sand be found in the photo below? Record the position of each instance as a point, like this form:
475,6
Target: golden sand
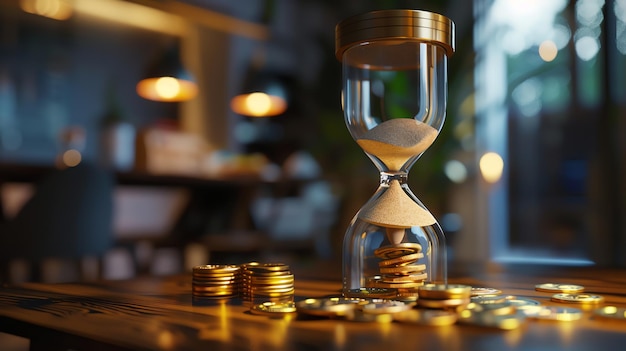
395,141
395,209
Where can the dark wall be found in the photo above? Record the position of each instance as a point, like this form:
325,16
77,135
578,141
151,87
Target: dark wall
56,74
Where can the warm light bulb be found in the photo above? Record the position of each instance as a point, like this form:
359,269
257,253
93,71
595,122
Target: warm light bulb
491,167
167,87
259,104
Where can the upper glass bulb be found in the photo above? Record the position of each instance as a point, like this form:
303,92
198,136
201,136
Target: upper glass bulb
394,82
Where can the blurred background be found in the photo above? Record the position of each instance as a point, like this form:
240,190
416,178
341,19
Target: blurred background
530,166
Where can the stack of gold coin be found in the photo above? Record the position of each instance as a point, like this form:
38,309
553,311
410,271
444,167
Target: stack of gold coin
267,282
215,281
399,268
444,296
244,288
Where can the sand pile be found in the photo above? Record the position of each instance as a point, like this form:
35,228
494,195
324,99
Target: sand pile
396,140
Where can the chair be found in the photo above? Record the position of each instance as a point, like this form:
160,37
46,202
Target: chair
69,216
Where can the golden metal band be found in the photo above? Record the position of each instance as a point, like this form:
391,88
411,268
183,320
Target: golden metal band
395,24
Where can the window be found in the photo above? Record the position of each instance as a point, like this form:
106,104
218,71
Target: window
550,82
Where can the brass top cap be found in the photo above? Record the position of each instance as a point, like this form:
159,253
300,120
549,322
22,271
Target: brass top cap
394,24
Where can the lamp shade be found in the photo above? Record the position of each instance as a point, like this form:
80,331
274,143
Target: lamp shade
264,95
166,79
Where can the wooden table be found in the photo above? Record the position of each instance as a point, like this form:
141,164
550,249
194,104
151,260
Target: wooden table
158,314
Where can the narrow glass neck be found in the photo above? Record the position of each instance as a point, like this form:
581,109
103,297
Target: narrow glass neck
387,177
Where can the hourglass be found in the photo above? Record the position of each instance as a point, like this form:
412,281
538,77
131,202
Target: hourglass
394,96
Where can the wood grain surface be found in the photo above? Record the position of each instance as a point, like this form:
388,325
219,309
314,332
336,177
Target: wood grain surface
159,314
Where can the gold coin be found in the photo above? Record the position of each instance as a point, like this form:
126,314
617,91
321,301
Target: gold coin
489,320
426,317
433,303
265,274
521,301
360,316
333,306
445,291
611,312
493,308
406,270
402,260
215,268
397,285
560,288
383,307
214,280
397,250
209,274
274,308
484,299
213,288
370,293
270,282
249,264
481,291
411,278
554,313
268,267
214,293
274,293
271,287
577,298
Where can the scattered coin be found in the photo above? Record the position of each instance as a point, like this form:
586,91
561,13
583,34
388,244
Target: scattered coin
442,304
501,308
327,307
426,317
445,291
611,312
554,313
577,298
491,320
274,308
482,291
357,315
370,293
560,288
383,307
521,301
488,298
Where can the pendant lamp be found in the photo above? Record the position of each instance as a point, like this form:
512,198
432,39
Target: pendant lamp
264,94
166,79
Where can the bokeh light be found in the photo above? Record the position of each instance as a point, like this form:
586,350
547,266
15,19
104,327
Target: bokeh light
548,50
491,167
167,87
258,104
